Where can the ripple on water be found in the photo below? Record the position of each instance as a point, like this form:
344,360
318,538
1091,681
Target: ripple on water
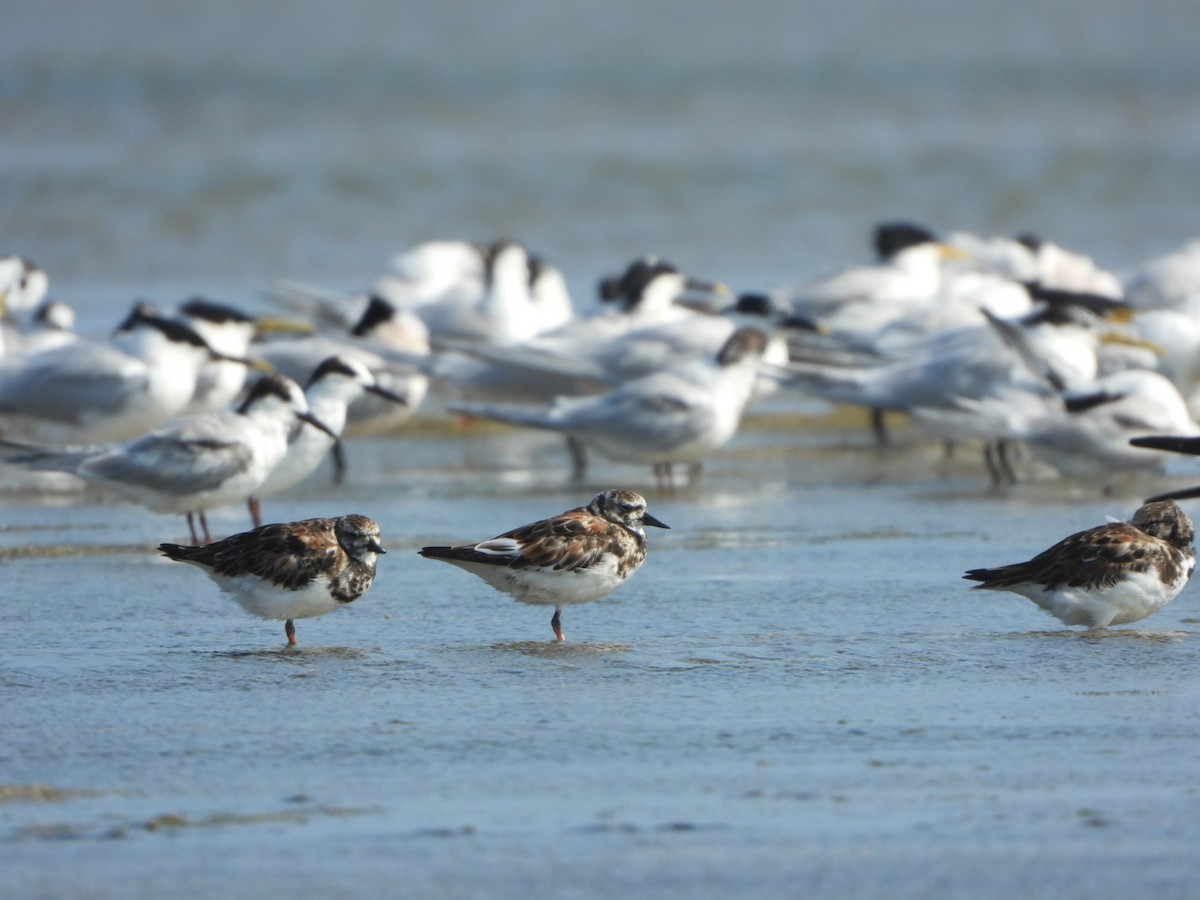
1109,634
560,649
298,653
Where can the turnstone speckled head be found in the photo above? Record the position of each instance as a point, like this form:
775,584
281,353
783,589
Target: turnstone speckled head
1109,575
294,570
578,556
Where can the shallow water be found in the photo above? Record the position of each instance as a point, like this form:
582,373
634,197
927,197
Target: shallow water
796,695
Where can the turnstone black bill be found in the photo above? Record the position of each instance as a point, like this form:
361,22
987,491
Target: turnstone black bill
294,570
578,556
1108,575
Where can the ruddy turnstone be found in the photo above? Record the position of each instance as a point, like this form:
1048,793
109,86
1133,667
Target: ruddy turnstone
1108,575
294,570
578,556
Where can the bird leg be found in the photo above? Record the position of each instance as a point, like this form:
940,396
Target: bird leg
339,462
255,511
290,630
664,476
204,526
192,528
879,428
995,455
1005,448
556,624
578,451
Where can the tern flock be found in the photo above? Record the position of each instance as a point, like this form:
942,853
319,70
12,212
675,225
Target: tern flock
1006,342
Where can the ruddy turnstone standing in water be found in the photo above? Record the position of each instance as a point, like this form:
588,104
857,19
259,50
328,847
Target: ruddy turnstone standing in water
575,557
1108,575
294,570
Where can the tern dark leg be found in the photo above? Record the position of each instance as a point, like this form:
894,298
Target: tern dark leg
339,462
879,427
578,451
556,624
989,460
1005,449
255,511
996,455
192,528
290,630
204,527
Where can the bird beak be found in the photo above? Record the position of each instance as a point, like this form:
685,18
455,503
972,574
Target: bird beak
254,365
706,287
648,519
1116,338
316,423
386,394
945,251
804,323
258,365
376,547
276,325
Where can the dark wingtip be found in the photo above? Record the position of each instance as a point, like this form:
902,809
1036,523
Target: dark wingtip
1181,494
1174,443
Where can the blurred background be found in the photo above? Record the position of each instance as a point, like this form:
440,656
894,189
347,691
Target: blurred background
168,146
